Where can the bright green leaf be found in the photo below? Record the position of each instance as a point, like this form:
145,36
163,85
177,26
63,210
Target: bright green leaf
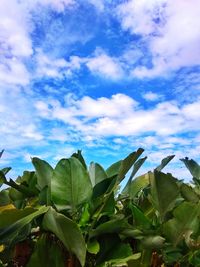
43,172
71,185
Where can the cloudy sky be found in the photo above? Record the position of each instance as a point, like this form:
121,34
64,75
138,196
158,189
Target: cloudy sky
104,76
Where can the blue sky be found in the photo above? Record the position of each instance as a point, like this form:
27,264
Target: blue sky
102,76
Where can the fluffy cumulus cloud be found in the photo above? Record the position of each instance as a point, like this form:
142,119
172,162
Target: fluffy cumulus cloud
170,30
104,65
121,115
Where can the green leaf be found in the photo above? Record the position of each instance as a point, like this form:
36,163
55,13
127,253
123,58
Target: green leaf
188,193
46,253
128,162
97,173
6,170
67,231
13,224
93,246
192,166
164,162
137,185
2,178
4,198
136,167
164,192
43,172
186,217
71,185
79,156
139,218
153,242
114,169
115,225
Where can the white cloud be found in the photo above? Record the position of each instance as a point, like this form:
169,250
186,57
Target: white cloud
15,42
121,115
104,65
170,30
150,96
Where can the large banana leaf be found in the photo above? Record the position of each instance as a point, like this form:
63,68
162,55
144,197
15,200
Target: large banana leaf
97,173
10,232
164,192
67,231
136,185
46,253
186,218
71,185
43,172
164,162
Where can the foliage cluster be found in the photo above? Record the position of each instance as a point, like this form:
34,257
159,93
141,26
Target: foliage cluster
76,216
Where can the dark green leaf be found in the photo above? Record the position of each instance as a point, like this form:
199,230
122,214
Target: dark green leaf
136,167
128,162
4,198
192,166
11,231
113,170
67,231
164,162
79,156
46,253
188,193
186,217
164,192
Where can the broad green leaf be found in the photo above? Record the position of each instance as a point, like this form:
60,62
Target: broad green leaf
153,242
192,166
136,167
186,217
188,193
71,185
7,234
114,169
15,194
97,173
137,185
115,225
4,198
128,162
6,170
164,192
79,156
85,216
67,231
111,248
128,261
43,172
164,162
9,215
47,252
140,221
93,246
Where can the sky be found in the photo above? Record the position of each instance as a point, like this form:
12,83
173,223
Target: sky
102,76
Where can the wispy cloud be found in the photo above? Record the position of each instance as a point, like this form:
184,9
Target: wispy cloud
161,27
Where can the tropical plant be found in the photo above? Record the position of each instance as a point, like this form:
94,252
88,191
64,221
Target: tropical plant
72,215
